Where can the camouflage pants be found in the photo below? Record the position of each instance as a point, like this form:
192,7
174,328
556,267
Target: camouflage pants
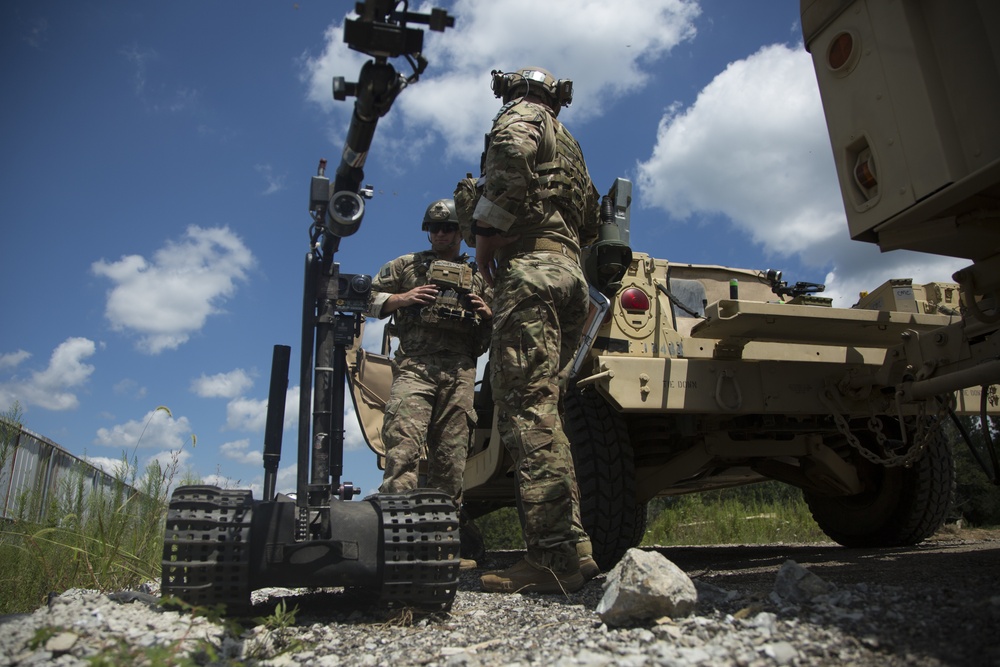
429,413
539,305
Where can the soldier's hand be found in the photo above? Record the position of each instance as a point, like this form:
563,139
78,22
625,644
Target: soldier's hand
418,296
480,306
486,249
421,295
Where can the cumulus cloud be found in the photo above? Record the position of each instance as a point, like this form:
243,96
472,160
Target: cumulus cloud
250,414
111,466
222,385
13,359
158,429
50,388
753,147
240,451
169,298
169,461
587,47
861,267
247,414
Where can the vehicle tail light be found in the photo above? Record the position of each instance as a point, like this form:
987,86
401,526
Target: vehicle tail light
634,299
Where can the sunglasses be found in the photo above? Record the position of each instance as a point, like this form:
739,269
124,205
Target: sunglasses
437,227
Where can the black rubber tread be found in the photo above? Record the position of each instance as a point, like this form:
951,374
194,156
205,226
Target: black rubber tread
605,472
421,549
206,547
904,506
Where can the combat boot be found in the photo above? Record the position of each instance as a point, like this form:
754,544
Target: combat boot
526,577
472,545
588,566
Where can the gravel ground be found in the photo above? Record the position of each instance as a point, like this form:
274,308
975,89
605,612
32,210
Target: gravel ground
931,605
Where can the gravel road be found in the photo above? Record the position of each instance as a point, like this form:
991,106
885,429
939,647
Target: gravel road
931,605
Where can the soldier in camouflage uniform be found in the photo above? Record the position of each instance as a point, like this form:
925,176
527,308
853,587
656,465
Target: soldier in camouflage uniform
538,207
442,331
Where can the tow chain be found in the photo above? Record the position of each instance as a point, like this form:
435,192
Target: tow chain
921,437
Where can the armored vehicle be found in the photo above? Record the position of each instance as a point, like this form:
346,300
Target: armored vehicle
697,377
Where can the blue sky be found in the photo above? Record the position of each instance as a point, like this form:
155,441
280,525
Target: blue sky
157,157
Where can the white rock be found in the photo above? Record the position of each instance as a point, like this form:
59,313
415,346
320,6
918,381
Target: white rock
644,586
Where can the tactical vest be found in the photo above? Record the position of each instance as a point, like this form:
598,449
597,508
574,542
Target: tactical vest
559,173
454,280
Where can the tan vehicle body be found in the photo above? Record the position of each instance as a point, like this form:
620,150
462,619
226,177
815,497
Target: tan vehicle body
719,382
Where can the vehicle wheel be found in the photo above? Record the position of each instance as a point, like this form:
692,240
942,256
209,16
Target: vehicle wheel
901,506
605,472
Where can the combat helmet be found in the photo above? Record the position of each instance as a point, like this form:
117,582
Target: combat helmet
442,210
512,85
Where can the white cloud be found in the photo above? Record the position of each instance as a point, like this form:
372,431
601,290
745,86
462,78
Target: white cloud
170,298
13,359
49,388
275,182
171,461
607,49
250,414
239,451
222,385
287,478
354,439
861,267
754,148
247,414
157,429
111,466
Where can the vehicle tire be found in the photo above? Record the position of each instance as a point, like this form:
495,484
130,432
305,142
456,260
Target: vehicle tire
902,505
605,472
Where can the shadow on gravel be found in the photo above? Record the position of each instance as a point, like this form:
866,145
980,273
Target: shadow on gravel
939,600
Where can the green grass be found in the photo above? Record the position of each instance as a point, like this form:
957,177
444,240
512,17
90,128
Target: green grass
768,513
109,539
727,517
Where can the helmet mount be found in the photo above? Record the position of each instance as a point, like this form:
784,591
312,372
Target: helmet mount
532,81
440,211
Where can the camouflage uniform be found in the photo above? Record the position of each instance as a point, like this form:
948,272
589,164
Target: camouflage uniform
429,411
537,187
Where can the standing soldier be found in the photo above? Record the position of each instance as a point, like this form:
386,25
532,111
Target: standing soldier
538,207
439,304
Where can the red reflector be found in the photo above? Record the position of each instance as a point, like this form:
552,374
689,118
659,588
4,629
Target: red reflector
840,50
634,299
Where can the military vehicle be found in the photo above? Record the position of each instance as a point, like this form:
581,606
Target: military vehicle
697,377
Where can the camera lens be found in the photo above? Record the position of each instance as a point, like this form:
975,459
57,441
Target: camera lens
361,283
